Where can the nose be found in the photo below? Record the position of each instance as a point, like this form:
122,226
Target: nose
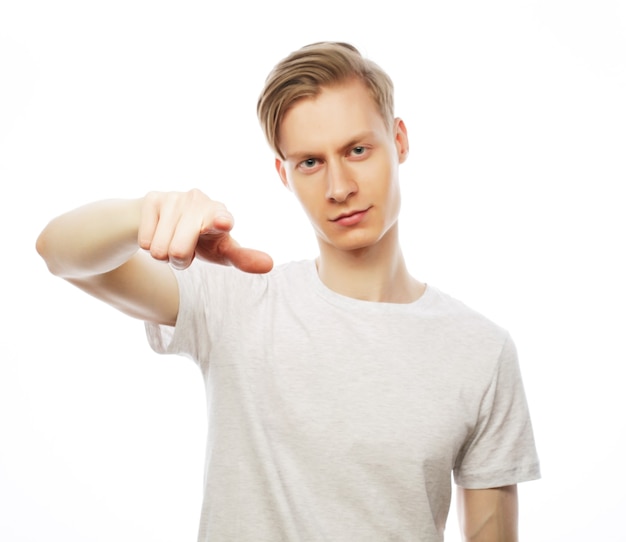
340,184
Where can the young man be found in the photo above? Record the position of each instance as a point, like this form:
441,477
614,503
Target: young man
343,391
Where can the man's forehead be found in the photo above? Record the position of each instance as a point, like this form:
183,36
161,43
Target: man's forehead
335,117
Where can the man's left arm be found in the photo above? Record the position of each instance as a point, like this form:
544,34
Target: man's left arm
488,515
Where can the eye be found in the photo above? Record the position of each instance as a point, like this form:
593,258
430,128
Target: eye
359,152
309,163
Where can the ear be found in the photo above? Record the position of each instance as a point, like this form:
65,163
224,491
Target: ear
282,173
401,139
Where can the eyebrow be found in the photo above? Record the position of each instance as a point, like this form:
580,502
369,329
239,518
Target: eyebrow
302,155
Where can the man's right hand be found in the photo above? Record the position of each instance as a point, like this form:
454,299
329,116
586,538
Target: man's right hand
179,226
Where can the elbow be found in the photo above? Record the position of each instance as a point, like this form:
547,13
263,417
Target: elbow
42,246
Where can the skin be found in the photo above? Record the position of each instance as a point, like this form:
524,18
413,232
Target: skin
115,250
488,515
340,159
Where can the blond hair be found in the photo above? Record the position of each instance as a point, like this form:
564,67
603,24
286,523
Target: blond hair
306,71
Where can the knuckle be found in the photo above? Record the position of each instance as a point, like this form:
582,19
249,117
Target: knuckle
159,254
219,207
195,196
196,193
152,198
178,253
143,243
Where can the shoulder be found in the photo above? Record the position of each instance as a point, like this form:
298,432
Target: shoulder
461,316
474,341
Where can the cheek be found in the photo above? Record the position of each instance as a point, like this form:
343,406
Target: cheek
307,197
390,190
383,179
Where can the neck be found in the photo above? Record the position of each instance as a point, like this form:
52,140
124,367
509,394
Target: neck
375,273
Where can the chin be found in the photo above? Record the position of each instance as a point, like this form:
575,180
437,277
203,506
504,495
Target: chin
352,243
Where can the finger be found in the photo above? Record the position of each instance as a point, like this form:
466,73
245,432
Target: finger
167,222
148,221
246,259
212,222
219,221
182,247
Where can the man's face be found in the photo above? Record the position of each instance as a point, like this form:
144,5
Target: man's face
341,162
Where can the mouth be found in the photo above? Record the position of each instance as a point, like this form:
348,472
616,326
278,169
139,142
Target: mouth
350,218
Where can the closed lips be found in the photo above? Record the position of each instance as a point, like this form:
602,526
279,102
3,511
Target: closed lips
349,213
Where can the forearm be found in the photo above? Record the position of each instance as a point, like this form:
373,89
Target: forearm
92,239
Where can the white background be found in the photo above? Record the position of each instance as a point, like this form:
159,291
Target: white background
512,202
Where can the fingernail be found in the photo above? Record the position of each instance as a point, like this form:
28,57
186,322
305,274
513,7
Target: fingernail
178,264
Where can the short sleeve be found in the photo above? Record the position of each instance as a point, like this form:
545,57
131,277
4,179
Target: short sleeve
209,295
501,450
190,336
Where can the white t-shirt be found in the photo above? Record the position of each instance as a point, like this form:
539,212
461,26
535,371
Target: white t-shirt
336,419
